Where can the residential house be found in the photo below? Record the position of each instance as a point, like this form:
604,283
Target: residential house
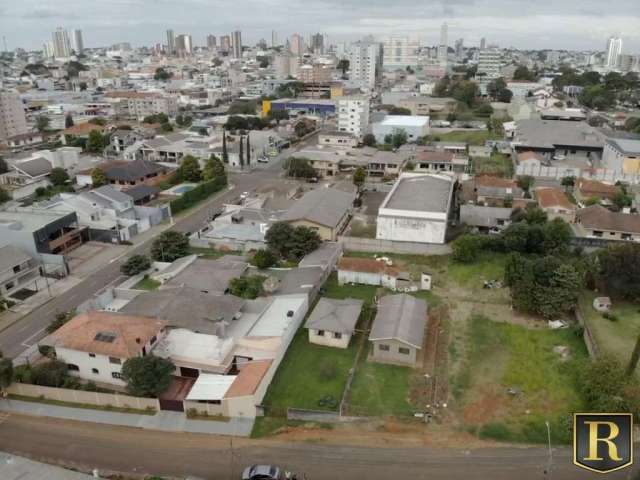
95,345
398,330
25,140
367,271
80,130
485,219
337,139
17,271
440,162
333,322
597,222
325,210
592,189
122,174
414,126
494,191
142,193
427,106
622,155
416,209
25,177
556,203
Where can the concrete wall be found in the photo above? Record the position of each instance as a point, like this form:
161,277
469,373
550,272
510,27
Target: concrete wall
411,229
358,244
366,278
604,175
204,408
328,339
80,396
393,355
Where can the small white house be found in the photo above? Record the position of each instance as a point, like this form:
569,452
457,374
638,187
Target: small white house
415,127
333,322
95,345
367,271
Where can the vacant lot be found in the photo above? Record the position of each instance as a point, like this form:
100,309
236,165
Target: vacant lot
497,164
617,335
472,137
510,381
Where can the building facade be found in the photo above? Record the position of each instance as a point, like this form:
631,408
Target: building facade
353,115
13,120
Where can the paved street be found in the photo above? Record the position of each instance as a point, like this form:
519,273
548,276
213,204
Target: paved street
15,339
111,448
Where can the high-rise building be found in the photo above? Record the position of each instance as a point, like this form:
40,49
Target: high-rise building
317,43
483,43
489,63
282,65
61,45
443,47
48,50
400,52
78,44
316,73
274,38
184,44
13,120
171,42
614,50
444,34
237,44
365,64
225,43
353,115
211,42
297,44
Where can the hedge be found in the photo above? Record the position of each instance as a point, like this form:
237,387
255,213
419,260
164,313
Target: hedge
199,193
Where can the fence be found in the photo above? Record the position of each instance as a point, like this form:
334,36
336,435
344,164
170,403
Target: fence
389,246
590,342
80,396
203,408
557,173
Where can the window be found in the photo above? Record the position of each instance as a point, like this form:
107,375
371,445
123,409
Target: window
95,371
154,338
116,375
404,351
115,360
337,335
321,333
16,269
92,355
73,368
383,347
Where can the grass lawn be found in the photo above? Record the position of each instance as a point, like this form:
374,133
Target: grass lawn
488,266
381,390
309,372
363,292
613,337
496,164
472,137
147,284
499,356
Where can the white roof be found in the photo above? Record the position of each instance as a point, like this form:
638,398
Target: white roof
210,386
181,344
405,121
274,322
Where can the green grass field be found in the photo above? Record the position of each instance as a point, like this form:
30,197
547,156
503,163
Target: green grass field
381,390
500,356
363,292
472,137
613,337
497,164
488,266
309,372
147,284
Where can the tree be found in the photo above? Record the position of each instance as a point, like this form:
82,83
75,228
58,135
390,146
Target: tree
369,140
170,246
304,241
213,168
466,92
343,66
42,123
147,376
247,287
4,168
264,258
96,142
278,236
248,151
59,320
68,121
466,248
4,196
598,97
82,86
399,111
622,200
183,120
505,96
162,75
399,137
189,170
241,152
606,386
50,374
484,110
135,264
619,270
225,154
523,73
242,107
299,167
58,176
98,177
568,182
359,177
6,372
525,182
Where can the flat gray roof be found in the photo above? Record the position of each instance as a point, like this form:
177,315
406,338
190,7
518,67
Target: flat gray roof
209,276
11,256
324,206
400,317
422,193
335,315
549,133
625,145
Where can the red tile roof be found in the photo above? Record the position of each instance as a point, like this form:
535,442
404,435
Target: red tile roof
549,197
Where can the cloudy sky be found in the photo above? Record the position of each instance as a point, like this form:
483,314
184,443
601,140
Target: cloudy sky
570,24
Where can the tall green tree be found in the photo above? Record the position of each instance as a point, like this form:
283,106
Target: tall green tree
359,177
189,170
68,121
98,177
213,168
135,264
58,176
42,123
248,151
96,142
278,237
225,154
147,376
170,246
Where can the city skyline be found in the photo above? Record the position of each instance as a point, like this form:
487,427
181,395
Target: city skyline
572,25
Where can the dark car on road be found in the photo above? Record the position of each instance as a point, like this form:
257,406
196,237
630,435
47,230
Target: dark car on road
261,472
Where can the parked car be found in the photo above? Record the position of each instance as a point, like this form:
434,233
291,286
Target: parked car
263,159
261,472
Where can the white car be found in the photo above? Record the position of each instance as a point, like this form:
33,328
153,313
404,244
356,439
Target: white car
244,195
559,157
263,159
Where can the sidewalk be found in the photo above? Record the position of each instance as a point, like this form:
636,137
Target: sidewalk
164,421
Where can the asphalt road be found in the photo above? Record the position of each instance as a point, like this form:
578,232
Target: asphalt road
132,450
30,329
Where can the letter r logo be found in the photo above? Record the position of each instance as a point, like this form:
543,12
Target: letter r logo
603,442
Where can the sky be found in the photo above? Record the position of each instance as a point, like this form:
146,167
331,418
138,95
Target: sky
525,24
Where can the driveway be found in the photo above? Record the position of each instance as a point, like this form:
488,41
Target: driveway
90,256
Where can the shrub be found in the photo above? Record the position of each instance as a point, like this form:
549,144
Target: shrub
135,265
199,193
